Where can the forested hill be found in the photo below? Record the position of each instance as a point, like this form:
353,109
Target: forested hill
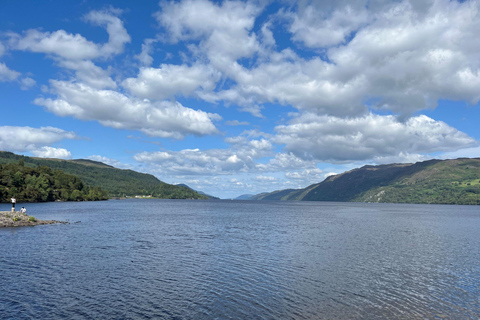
117,182
200,192
42,184
435,181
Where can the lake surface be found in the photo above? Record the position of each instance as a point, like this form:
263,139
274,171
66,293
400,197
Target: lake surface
176,259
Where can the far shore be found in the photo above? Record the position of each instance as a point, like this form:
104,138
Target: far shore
18,219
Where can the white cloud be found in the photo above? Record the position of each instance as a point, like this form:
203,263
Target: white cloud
224,30
332,139
290,80
317,26
403,58
35,140
145,57
237,123
308,176
26,83
195,162
90,74
240,157
111,162
60,43
473,152
6,74
410,61
74,46
286,161
118,35
50,152
113,109
265,178
171,80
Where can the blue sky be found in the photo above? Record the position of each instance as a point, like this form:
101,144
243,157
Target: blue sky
235,97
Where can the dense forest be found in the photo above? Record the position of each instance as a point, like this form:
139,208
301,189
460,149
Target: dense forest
42,184
118,182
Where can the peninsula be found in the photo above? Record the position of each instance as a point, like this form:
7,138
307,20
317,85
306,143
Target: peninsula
18,219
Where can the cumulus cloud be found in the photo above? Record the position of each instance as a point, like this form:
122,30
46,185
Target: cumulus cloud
286,161
50,152
171,80
117,34
232,168
410,61
240,157
158,119
333,139
291,80
196,162
74,46
265,178
328,23
473,152
338,63
237,123
60,43
35,140
308,176
145,56
6,74
398,56
224,30
90,74
111,162
26,83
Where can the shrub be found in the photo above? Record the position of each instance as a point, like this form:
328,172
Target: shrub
32,219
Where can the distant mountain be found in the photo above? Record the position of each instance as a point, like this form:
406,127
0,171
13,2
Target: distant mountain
245,197
117,182
199,192
435,181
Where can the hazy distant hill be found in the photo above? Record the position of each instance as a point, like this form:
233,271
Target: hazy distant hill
435,181
245,197
117,182
199,192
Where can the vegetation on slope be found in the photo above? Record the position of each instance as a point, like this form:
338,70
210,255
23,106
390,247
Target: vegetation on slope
199,192
445,182
42,184
434,181
117,182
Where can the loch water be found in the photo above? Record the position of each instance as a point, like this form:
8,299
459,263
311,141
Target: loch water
184,259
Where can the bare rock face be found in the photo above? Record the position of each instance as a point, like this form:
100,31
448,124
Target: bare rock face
18,219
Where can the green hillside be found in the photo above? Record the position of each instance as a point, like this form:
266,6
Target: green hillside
117,182
42,184
199,192
435,181
442,182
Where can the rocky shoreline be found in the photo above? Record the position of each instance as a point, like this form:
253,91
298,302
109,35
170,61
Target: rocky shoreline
18,219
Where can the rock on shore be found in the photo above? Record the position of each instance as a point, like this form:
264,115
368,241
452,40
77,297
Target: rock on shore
18,219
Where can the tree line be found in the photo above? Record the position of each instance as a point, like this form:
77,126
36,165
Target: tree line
42,184
117,182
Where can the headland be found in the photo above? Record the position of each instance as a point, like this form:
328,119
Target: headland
18,219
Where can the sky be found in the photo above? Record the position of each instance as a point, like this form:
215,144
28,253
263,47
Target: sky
240,97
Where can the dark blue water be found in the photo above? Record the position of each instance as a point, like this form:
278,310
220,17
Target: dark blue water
167,259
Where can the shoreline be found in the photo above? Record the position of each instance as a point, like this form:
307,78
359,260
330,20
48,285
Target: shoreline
18,219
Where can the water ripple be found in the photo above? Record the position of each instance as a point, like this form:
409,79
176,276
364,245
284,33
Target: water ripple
243,260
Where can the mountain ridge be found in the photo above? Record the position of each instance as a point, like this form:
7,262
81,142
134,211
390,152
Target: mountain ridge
118,182
453,181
